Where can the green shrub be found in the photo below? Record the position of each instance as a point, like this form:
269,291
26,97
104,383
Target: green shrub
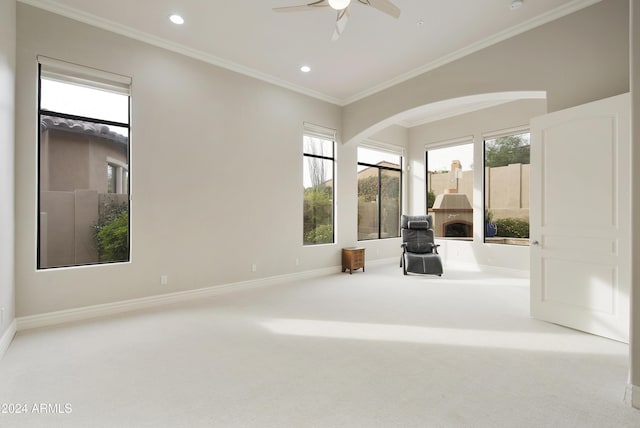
431,198
111,233
322,234
512,227
318,205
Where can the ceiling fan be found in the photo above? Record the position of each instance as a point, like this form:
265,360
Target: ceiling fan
342,7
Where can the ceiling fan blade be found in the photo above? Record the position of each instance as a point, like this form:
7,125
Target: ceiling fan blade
302,7
341,23
383,6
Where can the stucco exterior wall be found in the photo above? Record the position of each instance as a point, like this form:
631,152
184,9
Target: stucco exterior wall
506,189
73,161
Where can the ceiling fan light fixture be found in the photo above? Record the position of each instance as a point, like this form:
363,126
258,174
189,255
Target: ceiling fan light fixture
339,4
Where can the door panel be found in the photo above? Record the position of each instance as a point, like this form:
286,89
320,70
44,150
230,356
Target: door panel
597,295
580,217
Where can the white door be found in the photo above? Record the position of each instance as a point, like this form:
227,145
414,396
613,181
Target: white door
581,216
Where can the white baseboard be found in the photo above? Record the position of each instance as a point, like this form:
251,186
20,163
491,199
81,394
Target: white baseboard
632,395
382,262
7,337
108,309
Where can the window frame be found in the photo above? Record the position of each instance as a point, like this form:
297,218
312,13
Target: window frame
327,134
77,75
380,168
494,136
120,179
467,140
112,179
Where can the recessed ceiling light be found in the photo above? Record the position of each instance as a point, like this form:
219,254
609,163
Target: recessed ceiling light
516,4
305,69
176,19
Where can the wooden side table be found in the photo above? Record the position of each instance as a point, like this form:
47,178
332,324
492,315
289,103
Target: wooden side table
352,258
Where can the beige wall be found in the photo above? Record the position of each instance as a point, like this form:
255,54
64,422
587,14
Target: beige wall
212,154
394,134
579,58
7,110
635,210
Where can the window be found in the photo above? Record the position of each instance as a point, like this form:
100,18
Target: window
111,178
450,189
318,182
117,176
83,166
379,194
506,189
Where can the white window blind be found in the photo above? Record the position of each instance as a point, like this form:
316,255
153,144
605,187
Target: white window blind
505,132
318,131
382,147
66,72
449,143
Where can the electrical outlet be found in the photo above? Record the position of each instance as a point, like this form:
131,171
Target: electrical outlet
1,315
164,280
254,267
297,262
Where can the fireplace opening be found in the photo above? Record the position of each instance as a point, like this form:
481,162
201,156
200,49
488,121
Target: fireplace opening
458,230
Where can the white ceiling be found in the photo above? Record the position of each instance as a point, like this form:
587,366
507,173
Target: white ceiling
374,52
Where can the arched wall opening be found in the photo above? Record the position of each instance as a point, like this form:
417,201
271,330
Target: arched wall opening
467,119
564,59
447,108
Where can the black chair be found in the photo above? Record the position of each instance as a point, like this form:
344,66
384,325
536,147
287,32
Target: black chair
419,251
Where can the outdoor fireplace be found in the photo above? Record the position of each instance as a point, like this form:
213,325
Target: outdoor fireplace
452,215
452,212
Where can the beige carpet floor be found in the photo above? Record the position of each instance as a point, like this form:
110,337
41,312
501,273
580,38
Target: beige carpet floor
373,349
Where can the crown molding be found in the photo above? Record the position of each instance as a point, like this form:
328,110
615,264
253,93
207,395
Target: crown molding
105,24
57,8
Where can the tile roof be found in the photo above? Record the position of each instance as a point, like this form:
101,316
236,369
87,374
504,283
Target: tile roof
82,127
